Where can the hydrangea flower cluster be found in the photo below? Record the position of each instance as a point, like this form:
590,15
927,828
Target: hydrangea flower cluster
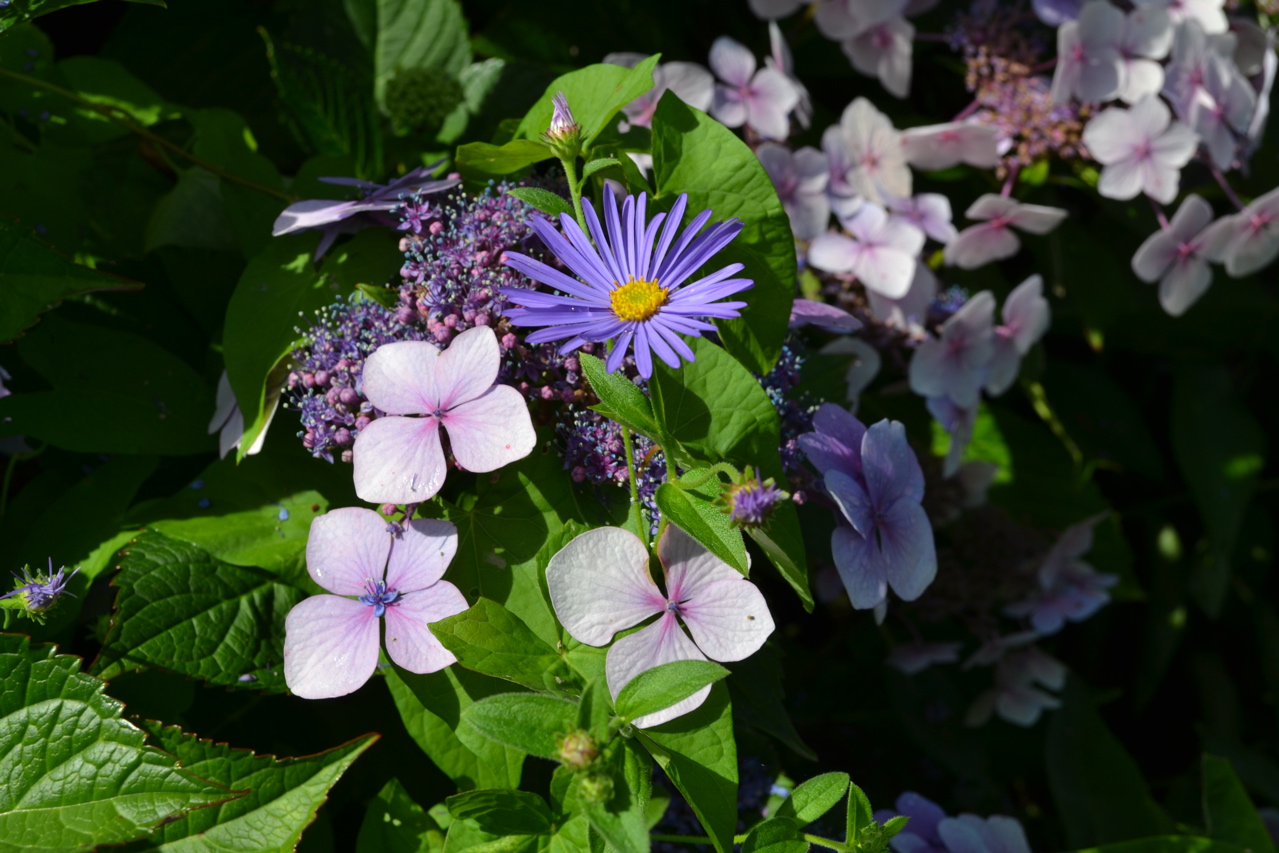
930,830
594,453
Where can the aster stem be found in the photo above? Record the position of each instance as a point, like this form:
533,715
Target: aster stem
574,188
637,509
128,122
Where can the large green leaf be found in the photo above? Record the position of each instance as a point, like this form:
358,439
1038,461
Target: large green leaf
223,139
595,94
1229,813
662,686
143,399
781,834
281,795
1098,788
432,707
814,798
483,160
620,818
502,811
1221,450
37,278
262,317
692,511
694,154
177,607
76,775
418,34
758,698
109,85
395,823
490,639
699,755
529,722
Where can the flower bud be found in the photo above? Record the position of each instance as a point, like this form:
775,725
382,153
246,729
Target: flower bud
578,750
564,136
596,789
750,503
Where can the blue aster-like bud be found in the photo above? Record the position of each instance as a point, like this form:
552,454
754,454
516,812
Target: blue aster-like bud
36,594
564,135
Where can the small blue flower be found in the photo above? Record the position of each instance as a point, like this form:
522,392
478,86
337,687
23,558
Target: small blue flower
41,591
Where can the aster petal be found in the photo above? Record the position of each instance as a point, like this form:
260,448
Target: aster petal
420,554
619,351
662,642
675,256
398,460
330,646
670,229
660,347
400,378
663,329
599,584
597,234
866,584
700,251
643,353
689,566
540,272
347,547
409,640
311,213
492,430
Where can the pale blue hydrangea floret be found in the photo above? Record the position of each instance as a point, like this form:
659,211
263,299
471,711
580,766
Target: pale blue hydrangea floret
930,830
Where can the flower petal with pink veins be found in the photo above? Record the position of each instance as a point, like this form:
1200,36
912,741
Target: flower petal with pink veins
729,619
771,100
409,640
347,547
490,431
662,642
940,146
330,646
398,460
689,565
399,378
468,367
420,554
599,585
833,252
732,62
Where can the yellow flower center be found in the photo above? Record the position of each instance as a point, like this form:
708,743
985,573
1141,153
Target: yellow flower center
637,299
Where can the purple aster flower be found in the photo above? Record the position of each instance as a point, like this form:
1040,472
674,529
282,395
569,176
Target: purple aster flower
920,834
334,218
759,99
1069,589
632,283
800,178
1142,149
562,123
750,503
1175,257
877,483
39,592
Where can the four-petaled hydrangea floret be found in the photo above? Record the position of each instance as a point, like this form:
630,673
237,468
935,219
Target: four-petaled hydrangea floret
37,594
631,285
600,584
751,502
331,641
400,459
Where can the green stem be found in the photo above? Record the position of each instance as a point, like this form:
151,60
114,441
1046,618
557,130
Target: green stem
738,839
714,470
637,510
575,189
131,124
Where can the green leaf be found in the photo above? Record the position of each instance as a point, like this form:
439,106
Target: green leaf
572,837
281,795
716,410
490,639
528,722
860,815
110,85
177,606
620,821
328,103
699,755
814,798
694,154
192,215
544,200
78,776
395,823
704,521
223,139
594,709
1229,813
662,686
432,707
482,160
382,295
596,165
277,286
501,811
779,834
595,95
466,835
144,399
1221,451
1098,788
418,34
756,687
620,399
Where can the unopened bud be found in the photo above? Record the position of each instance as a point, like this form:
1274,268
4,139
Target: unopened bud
578,750
751,502
564,135
596,789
